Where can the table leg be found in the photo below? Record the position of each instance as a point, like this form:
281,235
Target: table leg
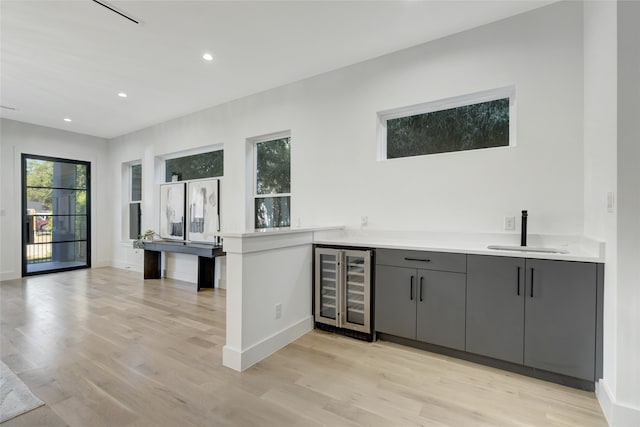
152,264
206,272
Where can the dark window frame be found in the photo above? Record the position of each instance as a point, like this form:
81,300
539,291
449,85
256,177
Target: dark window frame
24,157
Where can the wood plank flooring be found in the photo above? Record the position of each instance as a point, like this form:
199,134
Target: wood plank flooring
103,347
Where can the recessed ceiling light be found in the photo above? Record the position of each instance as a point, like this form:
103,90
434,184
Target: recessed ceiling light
122,95
207,57
67,119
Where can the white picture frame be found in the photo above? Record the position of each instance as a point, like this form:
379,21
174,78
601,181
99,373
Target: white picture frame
172,198
203,210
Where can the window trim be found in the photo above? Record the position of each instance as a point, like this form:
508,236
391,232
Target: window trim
252,193
444,104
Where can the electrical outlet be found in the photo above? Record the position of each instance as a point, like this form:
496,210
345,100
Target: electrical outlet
278,311
509,223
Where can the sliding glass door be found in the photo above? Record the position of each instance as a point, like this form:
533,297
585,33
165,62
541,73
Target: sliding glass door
56,226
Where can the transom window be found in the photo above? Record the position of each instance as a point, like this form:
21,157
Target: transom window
196,166
470,122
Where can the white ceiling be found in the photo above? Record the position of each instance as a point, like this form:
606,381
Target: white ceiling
70,58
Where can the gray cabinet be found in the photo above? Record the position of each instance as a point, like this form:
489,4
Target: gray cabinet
560,317
395,305
495,307
440,303
540,313
421,296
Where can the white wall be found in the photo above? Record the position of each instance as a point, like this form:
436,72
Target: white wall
332,118
628,286
612,155
600,142
17,138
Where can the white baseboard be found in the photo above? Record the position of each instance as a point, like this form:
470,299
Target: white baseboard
604,397
185,277
182,276
242,360
9,275
123,265
617,415
101,263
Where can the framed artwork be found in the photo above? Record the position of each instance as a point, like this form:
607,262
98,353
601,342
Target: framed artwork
172,211
203,220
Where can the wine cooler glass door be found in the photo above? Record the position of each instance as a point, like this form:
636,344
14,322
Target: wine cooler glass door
356,280
327,285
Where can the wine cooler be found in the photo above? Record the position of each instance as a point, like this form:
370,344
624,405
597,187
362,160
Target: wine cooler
343,290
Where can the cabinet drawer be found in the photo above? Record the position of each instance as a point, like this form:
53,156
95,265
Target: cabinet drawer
442,261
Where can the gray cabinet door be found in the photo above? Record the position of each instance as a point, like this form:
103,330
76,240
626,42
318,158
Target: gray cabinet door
396,301
560,317
441,308
495,307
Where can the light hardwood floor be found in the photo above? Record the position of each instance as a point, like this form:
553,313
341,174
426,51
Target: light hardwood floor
102,347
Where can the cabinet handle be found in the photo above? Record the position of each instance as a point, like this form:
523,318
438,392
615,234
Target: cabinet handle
411,290
531,283
417,259
421,280
518,286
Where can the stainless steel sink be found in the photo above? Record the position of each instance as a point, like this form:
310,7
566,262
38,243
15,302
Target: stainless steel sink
527,249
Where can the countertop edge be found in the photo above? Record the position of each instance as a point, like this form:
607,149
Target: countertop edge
278,231
581,257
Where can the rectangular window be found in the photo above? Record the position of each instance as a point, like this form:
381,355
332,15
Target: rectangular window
136,183
458,124
135,201
272,189
197,166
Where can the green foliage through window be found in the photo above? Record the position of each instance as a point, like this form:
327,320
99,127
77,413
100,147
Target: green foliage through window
273,167
273,177
469,127
48,181
205,165
271,212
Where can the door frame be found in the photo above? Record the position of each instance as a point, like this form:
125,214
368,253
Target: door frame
23,175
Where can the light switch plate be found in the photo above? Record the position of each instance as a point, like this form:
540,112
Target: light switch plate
611,201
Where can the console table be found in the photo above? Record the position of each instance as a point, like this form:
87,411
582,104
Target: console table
206,259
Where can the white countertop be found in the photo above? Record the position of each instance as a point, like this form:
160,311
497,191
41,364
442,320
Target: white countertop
578,248
278,231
